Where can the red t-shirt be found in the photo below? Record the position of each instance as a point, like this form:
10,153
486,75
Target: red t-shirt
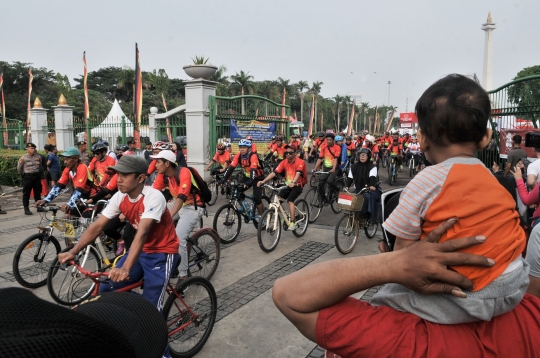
81,178
100,169
149,205
151,167
329,154
222,159
351,147
395,148
319,142
112,185
179,188
354,328
294,144
279,151
290,169
248,164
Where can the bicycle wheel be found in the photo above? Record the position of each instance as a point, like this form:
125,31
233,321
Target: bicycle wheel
69,287
213,187
315,203
269,231
312,180
384,161
370,227
256,218
203,254
346,233
190,316
389,170
333,204
33,258
227,223
411,167
301,217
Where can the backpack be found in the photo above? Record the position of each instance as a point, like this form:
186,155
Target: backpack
199,185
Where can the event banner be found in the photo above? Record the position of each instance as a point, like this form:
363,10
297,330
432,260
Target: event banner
506,135
260,131
408,117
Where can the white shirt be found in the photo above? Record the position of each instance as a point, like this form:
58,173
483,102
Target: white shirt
534,169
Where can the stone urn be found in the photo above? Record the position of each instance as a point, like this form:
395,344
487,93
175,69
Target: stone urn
200,71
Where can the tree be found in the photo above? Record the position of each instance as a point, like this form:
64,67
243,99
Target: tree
301,86
160,81
316,89
364,107
526,95
337,99
223,81
244,81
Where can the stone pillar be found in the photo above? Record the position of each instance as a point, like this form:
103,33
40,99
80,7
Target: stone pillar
38,120
63,124
198,122
487,74
152,125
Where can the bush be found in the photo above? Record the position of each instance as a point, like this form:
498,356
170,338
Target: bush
8,166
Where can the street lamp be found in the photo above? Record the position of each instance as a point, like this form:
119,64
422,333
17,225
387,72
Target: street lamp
389,83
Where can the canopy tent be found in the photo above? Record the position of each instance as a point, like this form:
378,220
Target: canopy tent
111,127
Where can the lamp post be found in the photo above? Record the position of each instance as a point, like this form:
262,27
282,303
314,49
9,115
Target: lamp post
389,83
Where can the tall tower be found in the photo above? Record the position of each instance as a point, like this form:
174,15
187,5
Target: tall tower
487,75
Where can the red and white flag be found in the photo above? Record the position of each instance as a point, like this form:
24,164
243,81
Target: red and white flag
4,123
31,78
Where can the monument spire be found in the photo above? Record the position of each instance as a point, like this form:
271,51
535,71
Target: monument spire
487,74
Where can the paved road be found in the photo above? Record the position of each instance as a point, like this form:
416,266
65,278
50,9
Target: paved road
249,325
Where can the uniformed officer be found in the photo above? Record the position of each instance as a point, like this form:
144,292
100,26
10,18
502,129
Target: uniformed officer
82,146
30,167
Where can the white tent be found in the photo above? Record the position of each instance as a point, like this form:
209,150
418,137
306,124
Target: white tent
111,127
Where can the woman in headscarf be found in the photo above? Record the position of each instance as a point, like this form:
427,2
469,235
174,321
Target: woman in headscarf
180,159
364,174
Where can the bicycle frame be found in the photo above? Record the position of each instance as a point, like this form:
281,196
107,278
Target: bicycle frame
281,213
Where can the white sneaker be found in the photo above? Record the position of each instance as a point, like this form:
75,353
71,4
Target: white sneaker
292,226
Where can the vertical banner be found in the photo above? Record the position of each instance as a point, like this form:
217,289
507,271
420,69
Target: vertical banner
389,124
374,121
349,128
30,79
283,103
311,115
137,99
3,104
169,135
86,106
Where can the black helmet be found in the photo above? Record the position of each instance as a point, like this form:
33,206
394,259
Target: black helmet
99,147
279,138
366,151
122,148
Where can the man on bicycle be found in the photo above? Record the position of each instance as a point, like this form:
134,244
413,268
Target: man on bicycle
253,172
100,164
295,172
396,152
351,147
222,158
318,144
278,151
413,150
329,158
268,152
80,177
154,252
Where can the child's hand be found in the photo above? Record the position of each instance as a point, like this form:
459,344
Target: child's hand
517,173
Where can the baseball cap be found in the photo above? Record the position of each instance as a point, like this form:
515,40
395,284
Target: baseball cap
70,152
118,324
165,154
30,145
370,138
130,164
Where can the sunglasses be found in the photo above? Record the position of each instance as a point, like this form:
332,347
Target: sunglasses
289,153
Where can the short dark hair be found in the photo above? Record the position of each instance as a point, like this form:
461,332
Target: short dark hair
455,109
148,143
130,142
516,139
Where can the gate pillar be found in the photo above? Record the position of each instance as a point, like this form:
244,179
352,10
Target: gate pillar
197,122
63,125
38,120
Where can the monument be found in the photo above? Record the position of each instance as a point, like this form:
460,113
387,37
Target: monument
487,74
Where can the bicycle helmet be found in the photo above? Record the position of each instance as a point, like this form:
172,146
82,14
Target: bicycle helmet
220,146
370,138
99,147
365,151
321,134
338,138
122,148
104,142
157,145
279,138
273,137
249,138
244,143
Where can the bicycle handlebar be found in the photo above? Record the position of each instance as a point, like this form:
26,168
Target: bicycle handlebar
86,273
275,189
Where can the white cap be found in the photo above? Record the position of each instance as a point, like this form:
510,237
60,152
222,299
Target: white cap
370,138
165,154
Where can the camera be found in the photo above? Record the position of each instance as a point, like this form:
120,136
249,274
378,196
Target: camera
532,139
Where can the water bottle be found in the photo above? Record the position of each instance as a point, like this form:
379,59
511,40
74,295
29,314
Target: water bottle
247,206
241,206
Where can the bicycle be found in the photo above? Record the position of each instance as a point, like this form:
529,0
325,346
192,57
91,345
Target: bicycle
347,229
392,170
317,200
190,310
35,254
412,166
275,216
227,220
384,157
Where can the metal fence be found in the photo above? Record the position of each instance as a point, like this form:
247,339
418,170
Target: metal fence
115,130
172,129
12,136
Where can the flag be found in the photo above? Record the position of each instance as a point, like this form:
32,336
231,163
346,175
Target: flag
311,115
390,121
31,78
374,121
85,85
137,98
169,135
283,103
349,128
3,108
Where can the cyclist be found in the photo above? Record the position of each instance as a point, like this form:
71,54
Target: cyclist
110,153
156,149
100,164
308,145
268,152
370,144
253,172
295,143
329,159
80,177
364,174
413,150
222,158
318,144
278,151
396,152
188,204
295,173
351,148
253,145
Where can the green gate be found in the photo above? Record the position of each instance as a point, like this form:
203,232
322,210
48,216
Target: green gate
12,135
172,129
513,105
245,109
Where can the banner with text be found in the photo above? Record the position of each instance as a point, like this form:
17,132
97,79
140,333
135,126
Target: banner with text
260,131
408,117
506,135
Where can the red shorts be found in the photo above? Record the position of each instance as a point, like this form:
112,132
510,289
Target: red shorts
355,328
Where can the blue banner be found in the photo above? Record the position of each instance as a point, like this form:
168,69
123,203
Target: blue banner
260,131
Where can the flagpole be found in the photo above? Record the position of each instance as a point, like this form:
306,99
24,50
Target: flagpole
349,129
86,106
3,104
137,100
30,79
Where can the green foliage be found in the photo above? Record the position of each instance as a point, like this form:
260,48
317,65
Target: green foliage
200,60
526,94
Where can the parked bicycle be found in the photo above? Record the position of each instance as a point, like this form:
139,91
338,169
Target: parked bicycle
228,218
348,228
317,199
272,220
190,310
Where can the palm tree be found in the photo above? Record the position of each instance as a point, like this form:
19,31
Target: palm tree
316,89
244,81
338,99
301,86
126,81
223,81
364,106
267,89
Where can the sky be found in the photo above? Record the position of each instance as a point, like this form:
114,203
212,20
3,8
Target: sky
351,46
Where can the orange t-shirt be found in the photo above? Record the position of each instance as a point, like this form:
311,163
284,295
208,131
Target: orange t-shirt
462,188
179,187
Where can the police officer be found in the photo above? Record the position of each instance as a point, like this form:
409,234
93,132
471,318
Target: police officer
82,146
31,168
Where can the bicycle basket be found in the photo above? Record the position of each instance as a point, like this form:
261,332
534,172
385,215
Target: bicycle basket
348,201
71,227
